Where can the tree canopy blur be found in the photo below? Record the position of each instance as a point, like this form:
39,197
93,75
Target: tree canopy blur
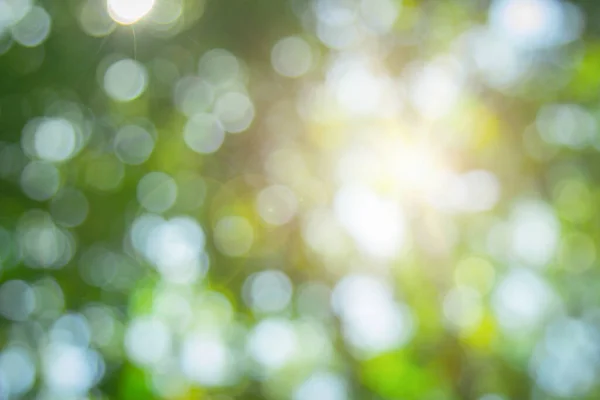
299,199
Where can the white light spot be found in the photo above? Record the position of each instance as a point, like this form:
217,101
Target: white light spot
291,57
141,229
379,15
336,12
13,10
127,12
471,192
376,223
235,111
521,301
272,343
18,370
535,233
70,370
147,341
566,124
564,363
499,62
55,139
33,28
536,24
435,88
71,329
207,360
322,386
176,247
203,133
358,89
340,36
483,188
268,291
416,167
219,67
125,80
372,321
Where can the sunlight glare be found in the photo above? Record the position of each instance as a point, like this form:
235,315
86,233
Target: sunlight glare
127,12
417,167
376,223
536,24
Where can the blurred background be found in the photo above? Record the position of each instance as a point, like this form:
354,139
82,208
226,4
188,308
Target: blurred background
299,199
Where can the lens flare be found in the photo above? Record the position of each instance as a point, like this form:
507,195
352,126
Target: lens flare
127,12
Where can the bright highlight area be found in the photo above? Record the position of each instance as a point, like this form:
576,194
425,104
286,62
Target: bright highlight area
299,200
127,12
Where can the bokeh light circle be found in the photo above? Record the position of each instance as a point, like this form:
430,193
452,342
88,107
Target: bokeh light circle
125,80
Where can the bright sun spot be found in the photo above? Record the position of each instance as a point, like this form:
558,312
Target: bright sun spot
414,166
127,12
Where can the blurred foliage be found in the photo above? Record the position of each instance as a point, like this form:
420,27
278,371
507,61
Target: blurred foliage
299,199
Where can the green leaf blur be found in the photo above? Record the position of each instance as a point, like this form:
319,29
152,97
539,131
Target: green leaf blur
299,199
